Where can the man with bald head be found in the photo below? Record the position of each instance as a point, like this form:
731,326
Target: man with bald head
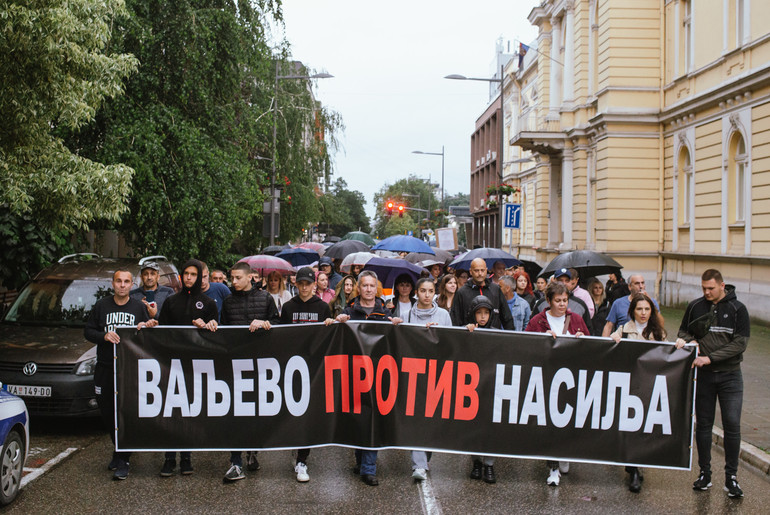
480,284
619,311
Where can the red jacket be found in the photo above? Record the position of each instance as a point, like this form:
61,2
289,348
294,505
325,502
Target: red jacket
539,324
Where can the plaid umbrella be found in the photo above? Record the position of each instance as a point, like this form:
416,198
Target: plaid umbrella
312,245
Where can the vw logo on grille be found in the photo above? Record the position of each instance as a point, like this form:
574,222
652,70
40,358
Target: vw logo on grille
30,368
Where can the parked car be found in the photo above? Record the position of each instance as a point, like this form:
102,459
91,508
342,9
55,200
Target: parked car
14,433
44,356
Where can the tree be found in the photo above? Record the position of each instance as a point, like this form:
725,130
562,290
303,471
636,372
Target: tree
56,73
196,125
399,225
417,195
343,210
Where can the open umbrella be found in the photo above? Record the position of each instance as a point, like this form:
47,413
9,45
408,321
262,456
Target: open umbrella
343,248
403,243
532,268
356,258
312,245
490,255
272,250
387,269
441,255
587,262
359,236
299,256
265,264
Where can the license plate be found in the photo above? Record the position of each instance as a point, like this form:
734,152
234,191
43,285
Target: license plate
29,391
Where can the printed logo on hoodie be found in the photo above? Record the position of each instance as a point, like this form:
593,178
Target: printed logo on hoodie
304,317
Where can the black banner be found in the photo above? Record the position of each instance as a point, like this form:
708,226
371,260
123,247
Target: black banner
375,385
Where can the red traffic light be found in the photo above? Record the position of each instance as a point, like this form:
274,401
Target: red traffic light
389,206
401,209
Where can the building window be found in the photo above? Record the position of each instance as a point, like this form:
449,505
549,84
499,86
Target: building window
686,188
687,35
739,18
736,180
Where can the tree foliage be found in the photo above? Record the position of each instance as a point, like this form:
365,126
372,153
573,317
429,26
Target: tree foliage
194,121
415,194
57,71
343,211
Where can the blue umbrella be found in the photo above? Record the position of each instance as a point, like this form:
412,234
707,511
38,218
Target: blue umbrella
387,269
299,256
490,255
402,243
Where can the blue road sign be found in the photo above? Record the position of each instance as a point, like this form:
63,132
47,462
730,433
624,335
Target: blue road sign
513,216
410,233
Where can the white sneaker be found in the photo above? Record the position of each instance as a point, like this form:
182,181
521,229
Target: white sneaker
553,477
420,474
564,467
301,470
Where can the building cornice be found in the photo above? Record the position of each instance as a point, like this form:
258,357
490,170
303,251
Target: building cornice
743,260
737,87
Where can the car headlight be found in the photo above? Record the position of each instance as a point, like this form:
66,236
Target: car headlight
86,368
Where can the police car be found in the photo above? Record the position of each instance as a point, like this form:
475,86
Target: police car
14,433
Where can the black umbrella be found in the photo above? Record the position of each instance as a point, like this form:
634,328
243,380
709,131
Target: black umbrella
587,262
272,250
532,268
341,249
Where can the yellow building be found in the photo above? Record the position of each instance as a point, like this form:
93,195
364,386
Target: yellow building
648,127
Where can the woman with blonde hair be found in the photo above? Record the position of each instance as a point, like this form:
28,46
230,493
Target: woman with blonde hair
276,287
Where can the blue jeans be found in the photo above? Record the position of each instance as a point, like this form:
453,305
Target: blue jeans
367,461
728,388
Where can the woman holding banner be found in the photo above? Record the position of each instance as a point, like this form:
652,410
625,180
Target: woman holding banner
557,320
644,323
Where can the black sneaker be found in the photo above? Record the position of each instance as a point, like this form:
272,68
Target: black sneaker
703,482
121,471
114,462
732,487
168,467
476,470
252,464
185,466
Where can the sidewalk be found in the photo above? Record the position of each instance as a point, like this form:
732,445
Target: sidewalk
755,419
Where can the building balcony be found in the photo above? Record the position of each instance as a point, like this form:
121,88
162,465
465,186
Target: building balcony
539,130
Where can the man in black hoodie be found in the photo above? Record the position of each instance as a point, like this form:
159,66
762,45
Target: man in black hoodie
479,284
188,306
255,308
720,325
304,308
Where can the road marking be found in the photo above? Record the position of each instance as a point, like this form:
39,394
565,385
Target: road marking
37,472
428,501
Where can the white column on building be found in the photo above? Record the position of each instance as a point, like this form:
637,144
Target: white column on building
566,196
568,82
593,29
554,100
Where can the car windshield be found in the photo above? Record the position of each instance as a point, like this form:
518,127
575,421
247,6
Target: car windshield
57,301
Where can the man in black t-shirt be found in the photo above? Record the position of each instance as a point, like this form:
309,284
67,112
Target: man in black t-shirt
304,308
107,314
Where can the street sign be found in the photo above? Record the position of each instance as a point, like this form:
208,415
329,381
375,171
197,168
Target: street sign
513,216
410,233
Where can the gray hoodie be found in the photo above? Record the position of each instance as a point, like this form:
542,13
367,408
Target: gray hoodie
433,314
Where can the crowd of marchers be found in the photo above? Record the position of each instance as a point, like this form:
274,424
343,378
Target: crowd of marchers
504,299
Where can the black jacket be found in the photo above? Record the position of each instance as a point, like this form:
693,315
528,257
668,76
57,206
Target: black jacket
461,305
722,330
356,312
297,312
105,316
190,303
242,307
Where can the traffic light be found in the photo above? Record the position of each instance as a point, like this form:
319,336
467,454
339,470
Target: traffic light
401,209
389,206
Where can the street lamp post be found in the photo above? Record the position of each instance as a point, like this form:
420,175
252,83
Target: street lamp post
273,196
502,132
442,168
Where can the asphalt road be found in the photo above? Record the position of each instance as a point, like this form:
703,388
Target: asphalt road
80,483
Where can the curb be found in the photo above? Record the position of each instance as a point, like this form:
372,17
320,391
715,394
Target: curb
750,454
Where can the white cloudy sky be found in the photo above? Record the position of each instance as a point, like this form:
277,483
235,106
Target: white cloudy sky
388,60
